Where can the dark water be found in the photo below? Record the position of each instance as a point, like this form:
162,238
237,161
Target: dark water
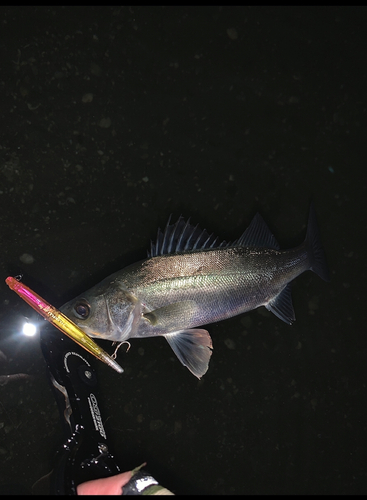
113,118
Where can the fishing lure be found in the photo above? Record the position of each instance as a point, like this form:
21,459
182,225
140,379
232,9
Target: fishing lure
60,321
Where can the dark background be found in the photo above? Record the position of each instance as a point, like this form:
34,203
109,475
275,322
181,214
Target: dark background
213,113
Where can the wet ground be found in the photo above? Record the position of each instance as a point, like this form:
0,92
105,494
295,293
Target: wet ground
114,118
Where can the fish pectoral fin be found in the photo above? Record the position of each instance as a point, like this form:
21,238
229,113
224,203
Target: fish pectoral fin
172,315
193,348
281,305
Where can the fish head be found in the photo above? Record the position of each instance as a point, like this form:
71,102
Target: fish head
107,311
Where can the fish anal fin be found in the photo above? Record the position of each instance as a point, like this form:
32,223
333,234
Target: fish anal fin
281,305
193,348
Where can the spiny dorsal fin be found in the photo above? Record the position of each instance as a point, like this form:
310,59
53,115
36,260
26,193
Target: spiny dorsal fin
182,237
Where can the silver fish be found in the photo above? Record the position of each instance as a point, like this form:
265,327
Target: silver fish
190,280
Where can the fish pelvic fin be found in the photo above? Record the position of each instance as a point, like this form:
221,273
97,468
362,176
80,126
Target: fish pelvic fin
193,348
315,251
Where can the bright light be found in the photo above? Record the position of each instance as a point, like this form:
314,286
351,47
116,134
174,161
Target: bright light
29,329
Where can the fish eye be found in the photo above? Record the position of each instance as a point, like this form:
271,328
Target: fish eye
82,309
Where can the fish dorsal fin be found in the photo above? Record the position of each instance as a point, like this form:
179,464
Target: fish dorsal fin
257,235
182,237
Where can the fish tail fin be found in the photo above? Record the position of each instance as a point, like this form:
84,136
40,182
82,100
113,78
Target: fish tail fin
315,250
